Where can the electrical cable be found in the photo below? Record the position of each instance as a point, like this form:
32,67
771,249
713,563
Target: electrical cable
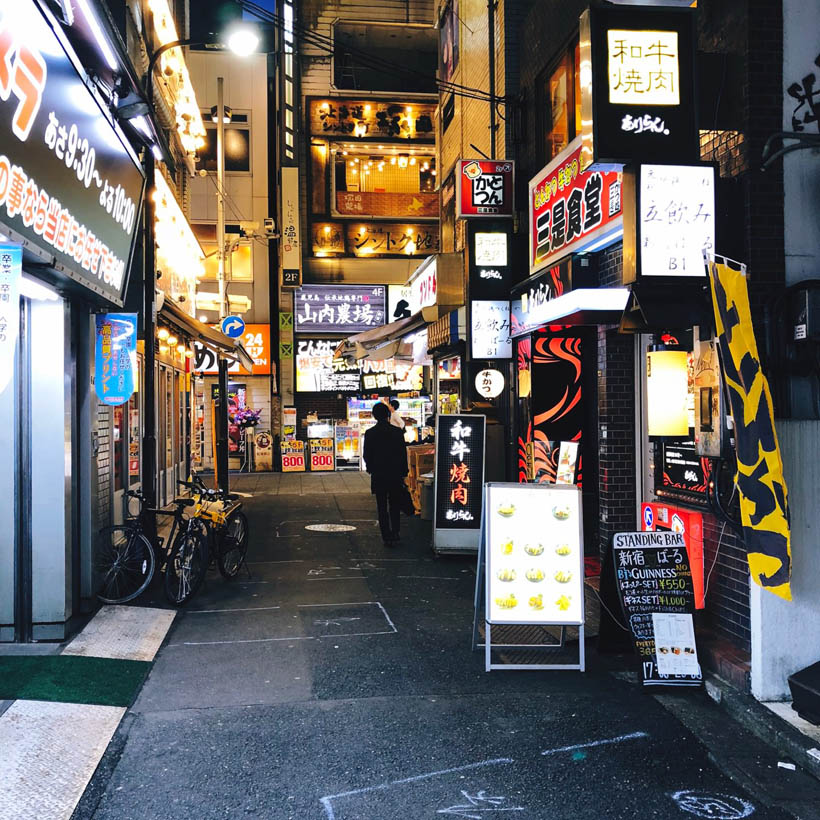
608,610
717,549
327,45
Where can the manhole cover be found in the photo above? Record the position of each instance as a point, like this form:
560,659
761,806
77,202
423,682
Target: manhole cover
330,527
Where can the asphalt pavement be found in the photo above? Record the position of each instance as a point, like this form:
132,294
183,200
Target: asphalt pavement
335,680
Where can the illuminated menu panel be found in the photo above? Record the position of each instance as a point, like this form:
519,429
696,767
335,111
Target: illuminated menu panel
459,471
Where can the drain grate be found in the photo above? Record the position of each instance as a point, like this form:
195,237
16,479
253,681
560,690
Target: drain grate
330,527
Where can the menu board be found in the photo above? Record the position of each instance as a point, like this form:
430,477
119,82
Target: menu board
654,583
534,554
321,455
682,472
293,456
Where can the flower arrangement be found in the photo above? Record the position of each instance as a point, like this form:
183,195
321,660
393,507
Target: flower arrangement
246,417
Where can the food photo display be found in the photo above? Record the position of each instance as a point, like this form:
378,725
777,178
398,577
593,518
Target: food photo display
534,554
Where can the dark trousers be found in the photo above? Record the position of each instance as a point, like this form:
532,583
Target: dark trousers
388,503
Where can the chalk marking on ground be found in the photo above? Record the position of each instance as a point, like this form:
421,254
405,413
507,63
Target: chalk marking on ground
290,561
714,806
346,603
327,800
386,616
242,640
236,609
356,634
593,743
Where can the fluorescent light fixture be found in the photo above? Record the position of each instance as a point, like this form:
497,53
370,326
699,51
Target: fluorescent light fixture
242,41
582,299
96,30
32,289
155,150
141,124
603,241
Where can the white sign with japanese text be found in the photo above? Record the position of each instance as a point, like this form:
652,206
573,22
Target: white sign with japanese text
677,219
291,240
643,67
491,330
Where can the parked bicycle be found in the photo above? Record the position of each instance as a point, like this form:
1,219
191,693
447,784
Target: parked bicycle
223,525
126,556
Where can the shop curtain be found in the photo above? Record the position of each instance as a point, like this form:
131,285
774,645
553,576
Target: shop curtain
764,506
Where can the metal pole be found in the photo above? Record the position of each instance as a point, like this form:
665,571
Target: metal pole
491,65
222,408
220,187
149,438
222,428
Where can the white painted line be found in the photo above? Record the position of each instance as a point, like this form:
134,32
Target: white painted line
245,640
431,577
292,561
50,751
355,634
593,743
124,633
339,578
327,800
237,609
386,616
347,603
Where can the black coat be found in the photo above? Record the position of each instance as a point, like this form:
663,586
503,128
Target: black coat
385,456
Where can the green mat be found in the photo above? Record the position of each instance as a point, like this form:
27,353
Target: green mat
71,679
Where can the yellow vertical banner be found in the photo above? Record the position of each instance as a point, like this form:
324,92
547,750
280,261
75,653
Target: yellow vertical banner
764,506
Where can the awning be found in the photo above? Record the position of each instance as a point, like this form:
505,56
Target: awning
364,345
653,307
583,306
218,342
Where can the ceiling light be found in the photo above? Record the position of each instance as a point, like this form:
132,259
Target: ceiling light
172,340
226,114
96,30
32,289
163,333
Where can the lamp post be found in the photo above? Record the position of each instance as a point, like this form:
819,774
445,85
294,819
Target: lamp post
242,41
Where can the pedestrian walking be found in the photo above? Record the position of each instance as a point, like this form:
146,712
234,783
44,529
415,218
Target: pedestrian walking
385,458
395,417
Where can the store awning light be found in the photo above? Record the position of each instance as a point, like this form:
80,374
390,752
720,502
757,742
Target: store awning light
100,38
667,391
189,123
32,289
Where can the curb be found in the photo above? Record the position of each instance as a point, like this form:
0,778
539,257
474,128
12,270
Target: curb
764,724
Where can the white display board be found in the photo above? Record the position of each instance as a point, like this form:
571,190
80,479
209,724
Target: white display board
534,554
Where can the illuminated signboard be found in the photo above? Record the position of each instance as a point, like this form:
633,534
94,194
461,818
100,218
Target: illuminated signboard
115,357
530,299
339,308
318,371
424,285
491,249
638,98
459,471
491,330
69,182
392,374
484,188
376,119
674,217
572,210
373,239
489,259
489,383
256,341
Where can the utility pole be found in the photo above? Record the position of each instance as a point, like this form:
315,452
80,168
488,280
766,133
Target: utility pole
222,405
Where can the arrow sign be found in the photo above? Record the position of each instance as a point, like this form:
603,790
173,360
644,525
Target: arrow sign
233,326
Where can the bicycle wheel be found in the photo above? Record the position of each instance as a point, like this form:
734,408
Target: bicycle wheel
124,563
233,544
186,567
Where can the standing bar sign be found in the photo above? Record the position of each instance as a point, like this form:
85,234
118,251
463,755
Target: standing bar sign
459,482
654,583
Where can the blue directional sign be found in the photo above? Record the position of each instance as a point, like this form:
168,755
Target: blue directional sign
233,326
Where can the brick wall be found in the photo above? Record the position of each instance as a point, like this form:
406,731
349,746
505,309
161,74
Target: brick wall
616,425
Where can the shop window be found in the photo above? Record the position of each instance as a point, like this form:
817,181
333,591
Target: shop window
318,175
392,171
562,103
448,111
239,267
449,42
237,145
364,53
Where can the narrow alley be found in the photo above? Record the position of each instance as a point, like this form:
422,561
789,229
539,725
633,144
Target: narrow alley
334,681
